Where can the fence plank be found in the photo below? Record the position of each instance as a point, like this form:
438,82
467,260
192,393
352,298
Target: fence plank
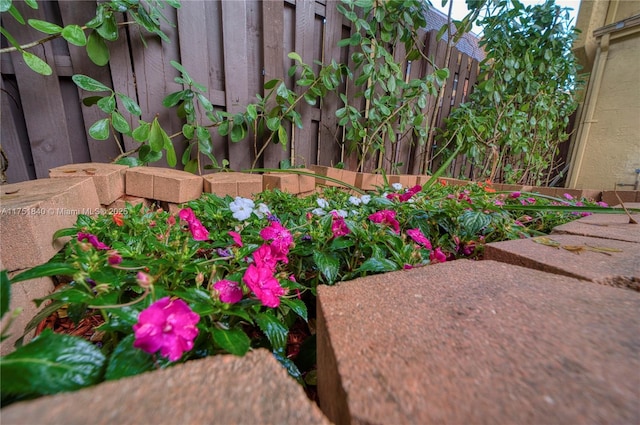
79,13
41,100
19,162
234,13
273,52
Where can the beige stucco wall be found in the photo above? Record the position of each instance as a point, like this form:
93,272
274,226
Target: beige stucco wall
606,145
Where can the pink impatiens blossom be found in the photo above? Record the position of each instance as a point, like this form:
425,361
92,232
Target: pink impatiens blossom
93,240
198,231
419,237
280,237
166,325
266,287
437,256
338,225
237,239
114,258
387,217
229,291
265,257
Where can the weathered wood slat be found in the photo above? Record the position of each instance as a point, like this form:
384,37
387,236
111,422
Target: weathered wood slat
41,100
14,139
100,150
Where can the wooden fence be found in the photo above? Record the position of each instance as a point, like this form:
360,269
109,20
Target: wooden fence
231,47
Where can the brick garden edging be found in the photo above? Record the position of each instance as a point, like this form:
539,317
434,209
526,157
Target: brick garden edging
35,210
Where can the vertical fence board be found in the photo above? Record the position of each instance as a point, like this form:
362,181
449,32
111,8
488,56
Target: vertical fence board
235,69
20,164
41,100
81,12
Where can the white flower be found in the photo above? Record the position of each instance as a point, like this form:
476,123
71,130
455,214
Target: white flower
396,186
241,208
342,213
262,210
322,203
365,199
355,200
318,211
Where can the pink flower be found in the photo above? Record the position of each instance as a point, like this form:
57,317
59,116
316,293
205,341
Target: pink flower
515,194
187,214
266,287
166,325
265,257
568,196
114,258
279,236
93,240
230,291
437,256
338,225
198,231
387,217
419,237
236,238
171,220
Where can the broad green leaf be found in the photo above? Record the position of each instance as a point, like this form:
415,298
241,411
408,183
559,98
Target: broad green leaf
89,84
107,104
238,132
172,99
188,131
46,269
204,140
296,57
91,100
16,14
36,64
328,264
141,133
271,84
5,5
298,306
119,123
5,292
282,137
109,29
191,166
288,364
147,155
97,49
69,231
44,26
100,129
32,3
206,104
473,222
273,123
275,331
69,295
377,265
129,161
50,364
130,104
234,341
156,136
74,35
127,360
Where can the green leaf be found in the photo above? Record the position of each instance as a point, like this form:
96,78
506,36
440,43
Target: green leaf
328,264
107,104
273,123
69,231
473,222
129,161
296,57
46,269
109,29
5,292
44,26
50,364
141,133
97,49
31,3
5,5
156,136
100,129
36,64
271,84
298,306
16,14
172,99
119,123
204,140
288,364
282,136
74,35
235,341
238,132
275,331
130,104
377,265
127,360
89,84
147,155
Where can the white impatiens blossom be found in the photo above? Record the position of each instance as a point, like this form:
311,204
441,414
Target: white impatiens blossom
241,208
397,186
318,211
341,213
354,200
322,203
365,199
262,210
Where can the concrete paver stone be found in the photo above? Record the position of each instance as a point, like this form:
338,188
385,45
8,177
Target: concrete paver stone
607,226
254,389
163,184
109,179
32,211
593,259
478,343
